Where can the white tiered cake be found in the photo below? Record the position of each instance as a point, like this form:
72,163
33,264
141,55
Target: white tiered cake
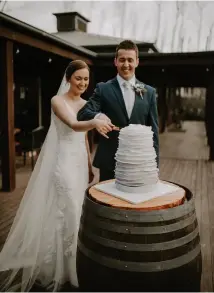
136,168
136,172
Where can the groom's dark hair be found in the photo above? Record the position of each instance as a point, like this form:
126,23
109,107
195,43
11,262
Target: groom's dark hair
127,45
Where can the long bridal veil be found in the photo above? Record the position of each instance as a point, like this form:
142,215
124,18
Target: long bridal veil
21,256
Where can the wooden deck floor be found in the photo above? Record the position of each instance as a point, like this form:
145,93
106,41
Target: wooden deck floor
183,159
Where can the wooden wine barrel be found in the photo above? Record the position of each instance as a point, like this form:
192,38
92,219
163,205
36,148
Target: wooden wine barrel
125,249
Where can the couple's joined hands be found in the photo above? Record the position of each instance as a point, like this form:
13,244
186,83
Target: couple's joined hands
103,125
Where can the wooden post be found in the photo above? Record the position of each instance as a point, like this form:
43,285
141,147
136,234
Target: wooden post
209,118
7,114
162,108
206,114
169,105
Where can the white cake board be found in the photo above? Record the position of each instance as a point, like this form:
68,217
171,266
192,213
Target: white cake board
162,188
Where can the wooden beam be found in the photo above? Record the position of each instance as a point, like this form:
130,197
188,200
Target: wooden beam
7,108
177,61
40,44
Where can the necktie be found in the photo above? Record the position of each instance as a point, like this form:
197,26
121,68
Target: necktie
128,97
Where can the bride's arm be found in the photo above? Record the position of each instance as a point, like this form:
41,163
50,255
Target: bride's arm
69,118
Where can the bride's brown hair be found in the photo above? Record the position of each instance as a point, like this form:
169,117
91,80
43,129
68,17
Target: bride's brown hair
74,66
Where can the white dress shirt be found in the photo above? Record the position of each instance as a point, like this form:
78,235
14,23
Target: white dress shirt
128,93
121,81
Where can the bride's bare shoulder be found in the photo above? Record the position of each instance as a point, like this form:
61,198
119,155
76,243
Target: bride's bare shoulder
83,102
56,99
56,102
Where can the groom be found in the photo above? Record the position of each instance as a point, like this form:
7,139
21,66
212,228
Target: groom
124,100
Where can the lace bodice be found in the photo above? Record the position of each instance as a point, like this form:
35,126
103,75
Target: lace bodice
65,133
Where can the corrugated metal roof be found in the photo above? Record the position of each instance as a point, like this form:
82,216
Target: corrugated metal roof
87,39
20,25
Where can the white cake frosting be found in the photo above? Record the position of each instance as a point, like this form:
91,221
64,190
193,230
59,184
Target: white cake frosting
136,168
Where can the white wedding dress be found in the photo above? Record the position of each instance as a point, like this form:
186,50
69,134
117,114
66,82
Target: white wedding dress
43,237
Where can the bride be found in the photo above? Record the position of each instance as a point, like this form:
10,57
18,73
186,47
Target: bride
41,245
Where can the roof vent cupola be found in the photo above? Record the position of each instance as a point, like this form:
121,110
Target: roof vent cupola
71,21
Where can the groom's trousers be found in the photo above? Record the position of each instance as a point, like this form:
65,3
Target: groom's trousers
106,174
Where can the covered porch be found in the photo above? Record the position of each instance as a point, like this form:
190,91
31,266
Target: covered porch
32,64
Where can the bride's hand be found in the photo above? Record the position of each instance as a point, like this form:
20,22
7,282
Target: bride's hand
103,126
104,117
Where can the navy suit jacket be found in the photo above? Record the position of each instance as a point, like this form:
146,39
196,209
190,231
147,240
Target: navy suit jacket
108,99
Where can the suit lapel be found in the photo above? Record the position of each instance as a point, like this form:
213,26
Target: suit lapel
139,102
119,96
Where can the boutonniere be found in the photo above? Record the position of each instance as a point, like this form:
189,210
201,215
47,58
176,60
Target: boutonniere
139,89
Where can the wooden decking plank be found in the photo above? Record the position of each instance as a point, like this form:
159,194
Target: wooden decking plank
207,284
210,194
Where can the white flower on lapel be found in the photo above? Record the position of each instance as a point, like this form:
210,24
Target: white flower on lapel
139,89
